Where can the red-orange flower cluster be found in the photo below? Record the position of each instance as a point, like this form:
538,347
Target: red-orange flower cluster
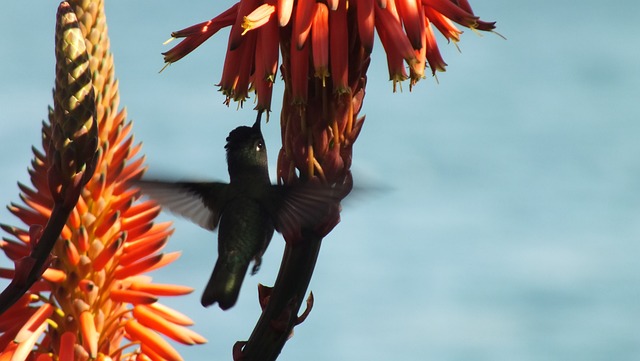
317,30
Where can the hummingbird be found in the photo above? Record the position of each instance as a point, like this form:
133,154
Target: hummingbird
245,211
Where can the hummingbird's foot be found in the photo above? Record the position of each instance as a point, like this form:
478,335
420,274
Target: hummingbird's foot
257,261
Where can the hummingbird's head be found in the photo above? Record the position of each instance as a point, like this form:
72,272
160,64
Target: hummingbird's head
246,149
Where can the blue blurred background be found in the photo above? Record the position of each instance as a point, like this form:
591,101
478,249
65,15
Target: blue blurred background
502,221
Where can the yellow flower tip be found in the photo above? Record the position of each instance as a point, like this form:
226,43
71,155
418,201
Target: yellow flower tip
257,17
169,40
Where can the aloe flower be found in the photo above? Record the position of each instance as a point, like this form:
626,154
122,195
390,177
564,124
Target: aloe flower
325,49
94,300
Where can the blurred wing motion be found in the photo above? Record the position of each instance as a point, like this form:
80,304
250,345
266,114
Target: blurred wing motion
303,206
199,202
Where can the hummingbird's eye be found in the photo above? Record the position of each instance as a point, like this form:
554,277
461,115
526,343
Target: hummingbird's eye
259,146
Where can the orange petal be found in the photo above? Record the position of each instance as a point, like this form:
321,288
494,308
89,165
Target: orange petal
257,17
122,149
132,297
261,83
54,275
452,11
284,8
244,9
35,196
35,321
13,250
123,201
67,340
299,73
155,322
433,54
97,186
137,232
19,233
26,346
157,233
66,232
411,13
226,18
107,254
170,314
26,215
302,22
83,239
339,49
247,50
134,150
107,224
320,41
443,24
269,37
398,42
10,320
130,171
230,72
146,216
141,249
416,71
151,339
81,206
268,46
89,333
71,252
146,265
36,206
366,23
86,285
141,209
148,354
8,352
160,289
333,4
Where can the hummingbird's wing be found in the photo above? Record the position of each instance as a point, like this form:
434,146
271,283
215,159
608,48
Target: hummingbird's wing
199,202
303,206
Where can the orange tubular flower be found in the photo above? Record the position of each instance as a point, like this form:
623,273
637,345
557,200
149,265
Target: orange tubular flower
320,42
248,16
92,301
324,87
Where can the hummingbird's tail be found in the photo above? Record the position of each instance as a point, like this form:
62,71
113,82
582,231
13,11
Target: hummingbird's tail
224,284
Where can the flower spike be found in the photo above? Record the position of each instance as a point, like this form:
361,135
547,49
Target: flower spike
79,226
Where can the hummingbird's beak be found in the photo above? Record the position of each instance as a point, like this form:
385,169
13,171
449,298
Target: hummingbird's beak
256,125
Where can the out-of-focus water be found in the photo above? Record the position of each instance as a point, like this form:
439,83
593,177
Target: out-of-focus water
507,226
